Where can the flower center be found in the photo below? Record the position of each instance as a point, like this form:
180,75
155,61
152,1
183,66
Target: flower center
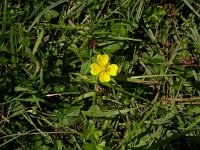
105,69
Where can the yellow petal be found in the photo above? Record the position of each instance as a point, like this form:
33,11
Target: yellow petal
104,77
112,69
95,69
102,60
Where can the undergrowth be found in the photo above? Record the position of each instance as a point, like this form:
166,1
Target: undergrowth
50,100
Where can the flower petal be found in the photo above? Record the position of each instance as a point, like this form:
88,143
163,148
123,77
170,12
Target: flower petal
95,69
102,60
104,77
112,69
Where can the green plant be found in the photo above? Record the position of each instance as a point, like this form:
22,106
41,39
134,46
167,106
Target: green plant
50,100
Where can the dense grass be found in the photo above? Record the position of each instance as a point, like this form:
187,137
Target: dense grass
49,99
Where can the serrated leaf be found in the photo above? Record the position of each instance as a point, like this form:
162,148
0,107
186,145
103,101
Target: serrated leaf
88,146
85,67
50,14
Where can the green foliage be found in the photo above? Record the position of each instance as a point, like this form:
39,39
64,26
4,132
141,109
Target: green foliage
49,99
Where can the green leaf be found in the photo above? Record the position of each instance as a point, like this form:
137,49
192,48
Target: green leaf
50,14
3,30
59,88
97,134
85,67
44,11
195,110
37,43
59,145
108,113
89,146
44,147
101,146
113,47
21,89
122,30
30,99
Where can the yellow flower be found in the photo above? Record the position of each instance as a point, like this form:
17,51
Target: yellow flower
104,70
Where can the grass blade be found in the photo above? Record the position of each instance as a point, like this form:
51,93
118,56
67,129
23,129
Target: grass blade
37,43
192,8
4,21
